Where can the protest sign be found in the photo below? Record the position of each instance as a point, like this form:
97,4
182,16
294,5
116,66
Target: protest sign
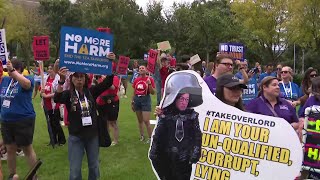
194,59
173,62
152,60
164,46
234,144
40,47
123,64
3,47
145,57
83,50
251,92
236,50
311,139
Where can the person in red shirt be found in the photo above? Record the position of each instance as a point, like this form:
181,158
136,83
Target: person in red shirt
51,108
164,69
108,107
141,101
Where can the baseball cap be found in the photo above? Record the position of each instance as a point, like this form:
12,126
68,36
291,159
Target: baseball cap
229,80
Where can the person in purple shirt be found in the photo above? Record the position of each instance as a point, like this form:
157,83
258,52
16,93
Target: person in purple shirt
314,99
223,65
268,102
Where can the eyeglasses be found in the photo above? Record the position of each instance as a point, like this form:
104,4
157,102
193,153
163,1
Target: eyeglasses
279,69
284,72
313,75
182,99
227,64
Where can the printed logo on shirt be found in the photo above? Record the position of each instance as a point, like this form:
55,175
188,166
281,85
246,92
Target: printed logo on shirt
141,88
284,107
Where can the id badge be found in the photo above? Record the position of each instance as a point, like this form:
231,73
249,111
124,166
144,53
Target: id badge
86,121
6,103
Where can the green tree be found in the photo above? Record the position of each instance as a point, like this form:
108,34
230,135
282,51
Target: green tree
59,13
264,26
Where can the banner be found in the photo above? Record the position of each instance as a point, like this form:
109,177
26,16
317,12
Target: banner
232,145
312,146
40,47
164,46
83,50
194,59
236,50
152,60
3,47
123,64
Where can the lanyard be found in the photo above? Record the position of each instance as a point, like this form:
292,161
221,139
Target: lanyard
85,100
285,89
11,86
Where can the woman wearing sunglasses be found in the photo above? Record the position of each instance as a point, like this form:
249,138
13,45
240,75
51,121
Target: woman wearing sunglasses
288,89
306,86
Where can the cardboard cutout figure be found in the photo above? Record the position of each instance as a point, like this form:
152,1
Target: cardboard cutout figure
176,142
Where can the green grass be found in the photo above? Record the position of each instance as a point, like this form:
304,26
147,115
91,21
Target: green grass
127,160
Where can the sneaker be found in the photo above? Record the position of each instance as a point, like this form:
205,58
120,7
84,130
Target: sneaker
113,143
4,157
20,153
141,138
125,96
148,141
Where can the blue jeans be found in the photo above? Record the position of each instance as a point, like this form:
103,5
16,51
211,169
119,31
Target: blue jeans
76,148
158,89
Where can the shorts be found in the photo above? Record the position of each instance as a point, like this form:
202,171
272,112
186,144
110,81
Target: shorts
109,111
18,132
142,103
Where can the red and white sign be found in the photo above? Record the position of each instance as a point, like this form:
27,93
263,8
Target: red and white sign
152,60
41,48
123,65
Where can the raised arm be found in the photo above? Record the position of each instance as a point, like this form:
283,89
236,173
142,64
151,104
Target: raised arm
23,81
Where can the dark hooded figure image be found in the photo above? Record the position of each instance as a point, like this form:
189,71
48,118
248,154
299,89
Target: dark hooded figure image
176,142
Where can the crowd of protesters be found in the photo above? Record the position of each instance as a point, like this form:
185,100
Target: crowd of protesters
80,101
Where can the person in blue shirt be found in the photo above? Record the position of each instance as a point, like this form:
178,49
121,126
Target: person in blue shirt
18,115
269,72
252,91
288,89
